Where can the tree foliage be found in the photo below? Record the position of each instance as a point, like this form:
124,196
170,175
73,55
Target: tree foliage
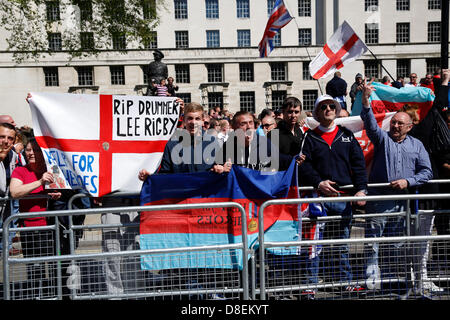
78,27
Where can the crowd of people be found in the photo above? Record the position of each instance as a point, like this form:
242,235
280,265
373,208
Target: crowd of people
329,156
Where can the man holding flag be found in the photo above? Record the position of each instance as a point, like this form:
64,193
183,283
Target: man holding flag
334,158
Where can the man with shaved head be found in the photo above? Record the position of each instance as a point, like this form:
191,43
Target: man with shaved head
399,160
4,118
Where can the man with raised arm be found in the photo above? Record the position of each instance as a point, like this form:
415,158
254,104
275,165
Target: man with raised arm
399,160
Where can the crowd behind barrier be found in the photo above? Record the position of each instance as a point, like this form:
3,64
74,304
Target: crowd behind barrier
374,242
268,275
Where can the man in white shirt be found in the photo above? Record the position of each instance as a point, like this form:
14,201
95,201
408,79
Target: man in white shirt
413,81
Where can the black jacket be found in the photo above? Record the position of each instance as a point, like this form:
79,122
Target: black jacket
288,143
257,156
342,163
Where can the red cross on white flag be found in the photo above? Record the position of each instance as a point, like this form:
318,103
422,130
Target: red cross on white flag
100,142
343,47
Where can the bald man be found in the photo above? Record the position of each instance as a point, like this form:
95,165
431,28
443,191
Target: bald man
4,118
403,162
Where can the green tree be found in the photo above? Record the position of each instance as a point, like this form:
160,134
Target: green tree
35,28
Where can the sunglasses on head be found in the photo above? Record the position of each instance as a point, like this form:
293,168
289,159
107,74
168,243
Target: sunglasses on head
324,106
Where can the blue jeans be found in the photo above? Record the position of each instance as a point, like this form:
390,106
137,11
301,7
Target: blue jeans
343,209
383,226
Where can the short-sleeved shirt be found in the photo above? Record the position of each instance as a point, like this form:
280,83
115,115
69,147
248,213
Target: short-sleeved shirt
25,175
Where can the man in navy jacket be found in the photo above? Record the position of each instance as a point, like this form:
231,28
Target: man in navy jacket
334,158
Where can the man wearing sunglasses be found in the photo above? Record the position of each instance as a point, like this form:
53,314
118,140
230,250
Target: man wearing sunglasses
413,81
333,158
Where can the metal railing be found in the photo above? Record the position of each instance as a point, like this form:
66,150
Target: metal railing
249,277
74,257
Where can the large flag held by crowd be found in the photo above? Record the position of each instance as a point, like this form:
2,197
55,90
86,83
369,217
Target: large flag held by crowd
100,142
390,99
214,226
279,17
343,47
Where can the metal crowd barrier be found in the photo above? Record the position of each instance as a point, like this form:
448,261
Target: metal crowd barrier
55,259
297,284
266,276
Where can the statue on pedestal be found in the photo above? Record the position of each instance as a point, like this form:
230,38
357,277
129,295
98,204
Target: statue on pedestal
157,71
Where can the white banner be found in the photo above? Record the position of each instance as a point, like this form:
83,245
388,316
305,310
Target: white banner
100,142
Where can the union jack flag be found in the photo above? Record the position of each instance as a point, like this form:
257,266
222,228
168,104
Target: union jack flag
278,19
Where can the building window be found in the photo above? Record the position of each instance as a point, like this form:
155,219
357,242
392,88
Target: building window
54,42
402,32
181,9
152,41
309,98
304,37
215,72
433,64
403,5
85,9
86,40
52,10
119,41
278,97
186,97
212,9
278,71
149,9
85,76
51,76
117,75
215,99
243,8
434,31
145,73
212,38
372,69
270,5
434,4
370,5
304,8
403,67
246,72
181,39
277,39
306,73
247,101
182,73
371,33
243,38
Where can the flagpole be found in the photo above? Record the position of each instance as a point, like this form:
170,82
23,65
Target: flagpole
376,59
307,52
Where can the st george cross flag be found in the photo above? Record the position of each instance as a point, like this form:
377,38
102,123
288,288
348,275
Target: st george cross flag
279,17
214,226
100,142
386,99
343,47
